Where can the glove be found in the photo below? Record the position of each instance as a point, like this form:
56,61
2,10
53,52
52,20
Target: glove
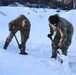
11,29
20,46
50,36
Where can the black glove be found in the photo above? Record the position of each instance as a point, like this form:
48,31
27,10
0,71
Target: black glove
11,29
20,46
50,36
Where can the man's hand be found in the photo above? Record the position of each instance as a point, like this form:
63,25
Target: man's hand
11,29
50,36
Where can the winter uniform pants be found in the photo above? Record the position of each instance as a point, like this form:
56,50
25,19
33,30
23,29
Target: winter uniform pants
23,38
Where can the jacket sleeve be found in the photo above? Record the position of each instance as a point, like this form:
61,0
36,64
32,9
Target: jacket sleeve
63,34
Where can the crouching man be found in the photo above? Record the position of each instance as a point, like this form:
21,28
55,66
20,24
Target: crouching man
22,24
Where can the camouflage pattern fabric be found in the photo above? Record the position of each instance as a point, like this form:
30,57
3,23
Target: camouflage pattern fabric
22,24
64,31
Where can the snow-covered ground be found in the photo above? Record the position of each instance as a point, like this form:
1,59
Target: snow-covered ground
38,61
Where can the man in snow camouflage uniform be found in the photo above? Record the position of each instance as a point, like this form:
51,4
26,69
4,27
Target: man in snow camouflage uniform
63,36
22,24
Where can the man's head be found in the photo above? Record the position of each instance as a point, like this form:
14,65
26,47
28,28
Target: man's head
54,19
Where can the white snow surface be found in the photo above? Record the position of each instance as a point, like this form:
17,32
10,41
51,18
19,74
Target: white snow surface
38,61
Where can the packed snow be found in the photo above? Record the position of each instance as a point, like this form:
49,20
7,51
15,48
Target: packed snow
38,61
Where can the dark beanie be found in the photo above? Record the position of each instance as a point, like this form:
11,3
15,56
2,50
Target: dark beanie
54,19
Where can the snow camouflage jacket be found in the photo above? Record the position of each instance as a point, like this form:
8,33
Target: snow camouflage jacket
64,31
21,22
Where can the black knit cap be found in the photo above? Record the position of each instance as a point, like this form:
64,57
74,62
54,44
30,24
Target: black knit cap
54,19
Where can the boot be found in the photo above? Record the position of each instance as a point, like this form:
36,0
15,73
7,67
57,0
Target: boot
23,51
5,45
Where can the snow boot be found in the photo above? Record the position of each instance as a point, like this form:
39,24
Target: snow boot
23,53
5,45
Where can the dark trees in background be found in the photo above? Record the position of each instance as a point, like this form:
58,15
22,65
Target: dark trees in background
41,3
7,2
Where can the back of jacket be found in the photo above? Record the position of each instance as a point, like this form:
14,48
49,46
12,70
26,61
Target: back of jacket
66,31
65,25
20,21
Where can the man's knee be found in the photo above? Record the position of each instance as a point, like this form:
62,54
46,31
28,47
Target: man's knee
64,50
